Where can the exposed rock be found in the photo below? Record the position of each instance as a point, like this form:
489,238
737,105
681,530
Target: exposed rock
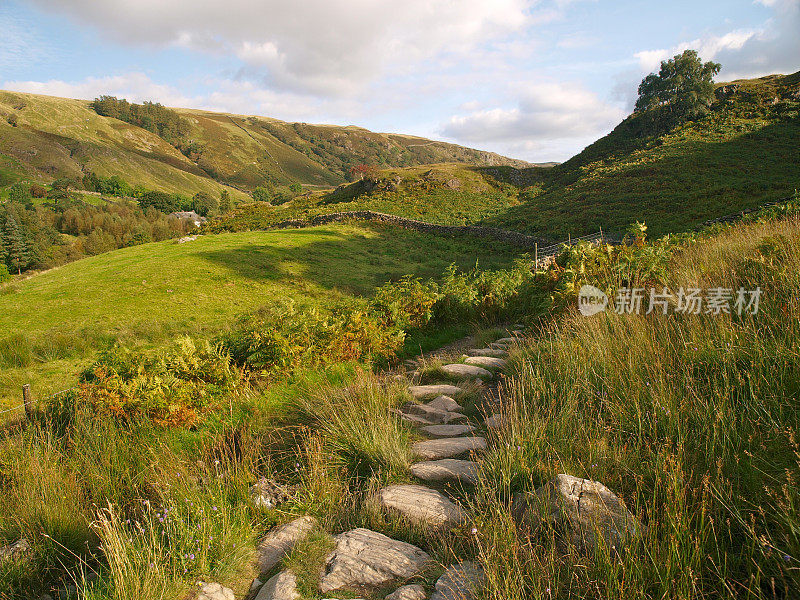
254,587
364,558
18,550
448,447
424,414
447,469
494,352
447,430
280,541
465,371
424,392
214,591
499,346
507,340
408,592
453,184
188,238
445,403
422,505
591,511
267,493
461,581
282,586
487,362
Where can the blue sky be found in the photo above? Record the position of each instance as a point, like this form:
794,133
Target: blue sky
533,79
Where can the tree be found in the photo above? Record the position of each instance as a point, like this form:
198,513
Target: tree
296,188
225,202
261,194
204,204
18,255
682,90
364,172
166,203
19,192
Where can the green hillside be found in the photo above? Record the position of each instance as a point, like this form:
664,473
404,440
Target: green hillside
44,137
51,321
744,153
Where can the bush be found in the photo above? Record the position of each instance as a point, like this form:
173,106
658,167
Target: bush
204,204
166,203
172,386
4,274
261,194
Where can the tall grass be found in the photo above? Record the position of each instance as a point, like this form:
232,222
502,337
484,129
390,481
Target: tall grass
692,421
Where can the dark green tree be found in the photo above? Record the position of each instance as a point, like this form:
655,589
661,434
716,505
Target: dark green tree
225,202
205,204
682,90
18,254
19,192
261,194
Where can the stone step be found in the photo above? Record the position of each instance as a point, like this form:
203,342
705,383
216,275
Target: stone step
426,392
280,541
282,586
494,352
445,403
446,469
448,447
461,581
487,362
443,431
507,340
499,346
466,371
368,559
412,591
422,505
424,414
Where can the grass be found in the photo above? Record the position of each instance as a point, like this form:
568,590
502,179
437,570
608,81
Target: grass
51,323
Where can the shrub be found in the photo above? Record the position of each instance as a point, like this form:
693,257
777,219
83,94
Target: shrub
4,274
166,203
204,204
171,386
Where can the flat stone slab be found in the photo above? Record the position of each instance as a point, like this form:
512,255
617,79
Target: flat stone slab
426,392
487,362
466,371
422,505
448,447
445,403
494,352
364,558
499,346
443,431
461,581
214,591
282,586
446,469
507,340
424,414
408,592
280,541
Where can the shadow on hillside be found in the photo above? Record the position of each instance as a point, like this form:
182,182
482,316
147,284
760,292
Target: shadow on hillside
678,188
354,263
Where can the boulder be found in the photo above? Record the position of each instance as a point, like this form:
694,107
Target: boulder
282,586
364,558
447,430
487,362
19,550
214,591
466,371
280,541
594,516
447,469
499,346
425,392
267,493
408,592
422,505
448,447
461,581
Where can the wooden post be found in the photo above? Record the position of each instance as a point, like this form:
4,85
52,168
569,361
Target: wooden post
26,399
536,255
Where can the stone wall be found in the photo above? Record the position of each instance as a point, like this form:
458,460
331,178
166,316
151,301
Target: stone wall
513,238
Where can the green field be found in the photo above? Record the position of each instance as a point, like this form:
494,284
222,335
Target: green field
52,323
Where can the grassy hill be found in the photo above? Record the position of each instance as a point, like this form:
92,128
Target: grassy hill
52,321
744,153
44,137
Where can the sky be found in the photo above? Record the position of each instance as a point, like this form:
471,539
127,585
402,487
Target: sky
532,79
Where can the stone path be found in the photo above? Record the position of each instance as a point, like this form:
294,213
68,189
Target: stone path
363,560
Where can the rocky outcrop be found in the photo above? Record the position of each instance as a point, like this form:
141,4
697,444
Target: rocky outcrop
214,591
282,586
596,518
408,592
364,558
267,493
461,581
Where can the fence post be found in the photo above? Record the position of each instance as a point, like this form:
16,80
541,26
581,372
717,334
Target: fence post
26,399
536,256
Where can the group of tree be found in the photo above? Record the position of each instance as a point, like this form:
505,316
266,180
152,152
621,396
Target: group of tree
682,90
152,116
274,194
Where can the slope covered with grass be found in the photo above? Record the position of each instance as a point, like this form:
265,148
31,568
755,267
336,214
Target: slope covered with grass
51,321
44,137
744,153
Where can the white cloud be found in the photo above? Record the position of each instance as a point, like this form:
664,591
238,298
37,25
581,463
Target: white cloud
548,112
322,46
771,48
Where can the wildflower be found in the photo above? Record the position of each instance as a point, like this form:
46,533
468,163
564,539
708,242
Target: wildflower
474,531
787,558
214,508
191,557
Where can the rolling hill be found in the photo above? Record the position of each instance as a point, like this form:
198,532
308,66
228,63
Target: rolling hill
44,137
